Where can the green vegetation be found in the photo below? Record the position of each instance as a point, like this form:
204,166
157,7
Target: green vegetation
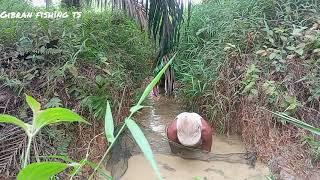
75,63
298,123
237,63
216,27
309,140
239,58
82,64
133,127
40,119
46,170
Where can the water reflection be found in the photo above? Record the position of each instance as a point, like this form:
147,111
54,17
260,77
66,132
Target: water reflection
160,113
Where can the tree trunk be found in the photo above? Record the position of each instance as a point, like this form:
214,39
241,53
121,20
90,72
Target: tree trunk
48,3
71,3
168,77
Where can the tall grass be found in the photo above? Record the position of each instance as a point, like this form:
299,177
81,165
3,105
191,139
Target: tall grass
238,56
214,25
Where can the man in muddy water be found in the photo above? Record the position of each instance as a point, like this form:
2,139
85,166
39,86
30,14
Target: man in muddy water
191,131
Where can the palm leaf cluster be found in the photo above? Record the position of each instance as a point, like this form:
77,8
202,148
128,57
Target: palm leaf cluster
12,141
163,19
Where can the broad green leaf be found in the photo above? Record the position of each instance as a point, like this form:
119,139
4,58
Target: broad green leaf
271,39
198,178
108,124
41,171
296,32
269,178
56,115
33,104
143,144
316,50
254,92
283,38
154,82
136,108
4,118
291,48
226,48
202,30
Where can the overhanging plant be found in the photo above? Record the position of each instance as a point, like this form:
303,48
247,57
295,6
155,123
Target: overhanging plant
133,127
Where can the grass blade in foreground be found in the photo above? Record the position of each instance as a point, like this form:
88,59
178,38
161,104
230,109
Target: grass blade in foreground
143,144
108,124
298,123
151,85
136,108
41,171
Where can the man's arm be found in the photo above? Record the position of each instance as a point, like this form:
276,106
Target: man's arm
172,136
206,135
172,131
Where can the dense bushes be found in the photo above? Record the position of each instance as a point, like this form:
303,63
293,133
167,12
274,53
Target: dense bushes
65,49
244,56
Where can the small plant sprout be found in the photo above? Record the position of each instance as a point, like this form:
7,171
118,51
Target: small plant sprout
40,119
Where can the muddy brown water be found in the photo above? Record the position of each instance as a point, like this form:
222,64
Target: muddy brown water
214,166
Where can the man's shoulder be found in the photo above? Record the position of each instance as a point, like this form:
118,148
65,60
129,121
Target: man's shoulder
206,126
172,131
173,125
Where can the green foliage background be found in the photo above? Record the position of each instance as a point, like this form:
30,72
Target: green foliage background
237,57
101,56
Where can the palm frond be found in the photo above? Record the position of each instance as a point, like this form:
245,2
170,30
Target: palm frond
135,9
13,141
162,18
164,23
